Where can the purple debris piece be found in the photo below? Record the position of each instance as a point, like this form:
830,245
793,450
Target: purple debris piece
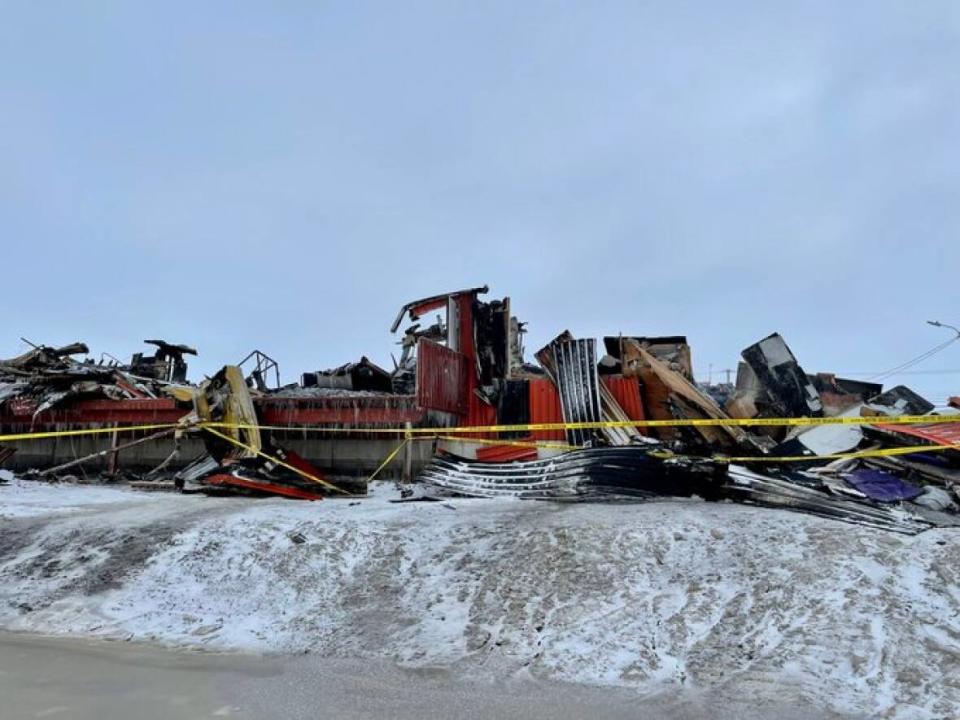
881,486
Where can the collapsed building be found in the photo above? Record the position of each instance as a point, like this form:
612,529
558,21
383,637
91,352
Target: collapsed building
630,422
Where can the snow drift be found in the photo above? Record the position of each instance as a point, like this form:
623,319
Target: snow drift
656,596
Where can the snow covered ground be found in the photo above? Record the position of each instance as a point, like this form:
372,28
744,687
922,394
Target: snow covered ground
660,597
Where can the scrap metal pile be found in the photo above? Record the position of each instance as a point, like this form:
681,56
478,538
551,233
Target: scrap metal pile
701,442
45,377
624,418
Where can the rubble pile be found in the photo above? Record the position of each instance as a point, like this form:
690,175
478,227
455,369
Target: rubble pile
625,418
45,377
792,466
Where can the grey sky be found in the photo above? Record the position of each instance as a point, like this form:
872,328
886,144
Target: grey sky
285,175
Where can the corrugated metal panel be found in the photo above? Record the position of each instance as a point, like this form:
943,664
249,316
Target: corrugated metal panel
626,391
505,453
131,412
513,407
581,474
359,412
479,414
545,408
442,381
935,433
575,363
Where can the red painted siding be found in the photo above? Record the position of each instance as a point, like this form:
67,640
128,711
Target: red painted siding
505,453
626,391
355,412
545,408
935,433
131,412
441,378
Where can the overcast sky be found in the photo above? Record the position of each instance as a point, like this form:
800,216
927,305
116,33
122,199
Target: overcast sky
285,175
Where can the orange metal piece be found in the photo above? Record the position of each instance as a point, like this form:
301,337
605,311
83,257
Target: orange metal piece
506,453
626,391
545,408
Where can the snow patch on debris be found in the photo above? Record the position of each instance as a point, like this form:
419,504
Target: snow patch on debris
765,604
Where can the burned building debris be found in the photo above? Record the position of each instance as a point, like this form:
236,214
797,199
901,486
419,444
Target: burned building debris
781,387
463,412
361,375
166,364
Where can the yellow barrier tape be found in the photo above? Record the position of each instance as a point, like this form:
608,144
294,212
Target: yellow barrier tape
288,466
390,457
88,431
600,425
858,454
457,433
529,427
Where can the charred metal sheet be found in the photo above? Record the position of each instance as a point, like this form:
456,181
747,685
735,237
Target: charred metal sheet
838,395
756,488
583,473
166,364
575,365
903,401
580,404
791,392
363,375
861,388
492,335
598,473
43,357
513,407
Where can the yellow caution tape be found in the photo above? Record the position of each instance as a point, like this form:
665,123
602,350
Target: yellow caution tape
456,433
528,427
88,431
858,454
600,425
390,457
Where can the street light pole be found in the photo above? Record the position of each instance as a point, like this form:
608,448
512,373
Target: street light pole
937,323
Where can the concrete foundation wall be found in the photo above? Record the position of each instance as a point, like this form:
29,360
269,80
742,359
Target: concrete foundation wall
339,456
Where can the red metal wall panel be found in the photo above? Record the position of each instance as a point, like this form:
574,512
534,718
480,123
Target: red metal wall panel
442,378
357,412
505,453
545,408
935,433
129,412
626,391
479,414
